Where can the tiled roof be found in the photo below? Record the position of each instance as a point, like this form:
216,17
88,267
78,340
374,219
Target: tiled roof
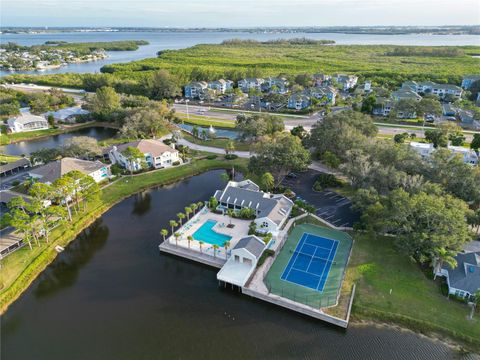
252,244
148,146
56,169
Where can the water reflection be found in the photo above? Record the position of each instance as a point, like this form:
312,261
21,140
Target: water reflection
142,203
64,271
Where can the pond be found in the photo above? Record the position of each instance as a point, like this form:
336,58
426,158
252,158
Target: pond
112,295
219,133
55,141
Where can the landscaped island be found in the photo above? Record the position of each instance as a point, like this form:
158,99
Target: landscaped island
54,54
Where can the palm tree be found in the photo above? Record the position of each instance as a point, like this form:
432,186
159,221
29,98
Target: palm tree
226,246
180,217
164,233
188,211
194,207
200,204
177,235
189,239
215,247
230,213
200,243
173,224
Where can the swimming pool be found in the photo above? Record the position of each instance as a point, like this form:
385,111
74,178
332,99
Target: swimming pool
206,234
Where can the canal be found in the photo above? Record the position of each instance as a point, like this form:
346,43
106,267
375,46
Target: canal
112,295
55,141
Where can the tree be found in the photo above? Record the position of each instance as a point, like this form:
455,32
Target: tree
161,85
267,181
279,155
226,245
400,138
428,106
194,207
475,144
188,211
82,147
230,147
45,155
340,132
213,203
147,123
368,104
180,217
134,157
436,137
215,248
256,125
105,102
299,131
173,224
164,233
177,235
189,239
405,108
200,244
195,131
224,177
89,190
22,219
63,189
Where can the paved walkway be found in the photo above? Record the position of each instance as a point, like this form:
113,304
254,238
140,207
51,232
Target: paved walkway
215,150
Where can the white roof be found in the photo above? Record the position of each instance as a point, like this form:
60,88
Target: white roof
25,118
63,114
234,272
420,145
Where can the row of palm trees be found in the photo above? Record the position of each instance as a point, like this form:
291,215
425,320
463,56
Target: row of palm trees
191,209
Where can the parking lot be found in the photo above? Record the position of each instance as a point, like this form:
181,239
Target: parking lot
330,206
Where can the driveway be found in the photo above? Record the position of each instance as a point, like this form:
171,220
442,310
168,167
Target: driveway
330,206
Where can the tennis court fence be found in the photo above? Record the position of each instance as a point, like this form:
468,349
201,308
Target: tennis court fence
313,300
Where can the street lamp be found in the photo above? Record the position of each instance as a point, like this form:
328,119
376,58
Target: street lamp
188,116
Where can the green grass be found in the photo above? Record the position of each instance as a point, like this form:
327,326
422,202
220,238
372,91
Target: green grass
415,300
15,137
4,158
218,143
207,121
22,267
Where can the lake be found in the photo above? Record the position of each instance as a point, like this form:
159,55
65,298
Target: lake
55,141
219,132
112,295
178,40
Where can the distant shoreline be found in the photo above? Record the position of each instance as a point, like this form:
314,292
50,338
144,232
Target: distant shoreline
371,30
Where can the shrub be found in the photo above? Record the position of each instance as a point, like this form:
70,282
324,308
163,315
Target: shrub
116,169
231,156
324,181
246,213
265,255
176,163
212,157
15,183
167,141
252,228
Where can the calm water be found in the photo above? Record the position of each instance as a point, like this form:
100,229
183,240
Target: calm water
221,133
112,295
178,40
27,147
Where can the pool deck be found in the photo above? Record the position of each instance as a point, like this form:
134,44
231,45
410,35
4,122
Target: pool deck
188,229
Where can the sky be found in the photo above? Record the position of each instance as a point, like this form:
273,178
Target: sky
237,13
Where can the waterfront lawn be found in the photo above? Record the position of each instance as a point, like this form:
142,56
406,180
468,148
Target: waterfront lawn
23,266
416,300
218,143
206,121
8,138
4,158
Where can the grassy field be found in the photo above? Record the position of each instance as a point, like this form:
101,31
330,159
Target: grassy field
415,300
206,121
236,61
22,267
218,143
8,158
11,138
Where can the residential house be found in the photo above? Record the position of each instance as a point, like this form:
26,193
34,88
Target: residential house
275,85
466,117
243,261
157,155
271,210
464,279
328,93
195,90
469,156
321,80
298,101
251,83
367,87
468,81
429,87
27,122
383,106
220,86
404,94
50,172
448,110
346,81
426,150
69,114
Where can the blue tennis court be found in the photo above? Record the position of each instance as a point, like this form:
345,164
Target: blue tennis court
311,261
